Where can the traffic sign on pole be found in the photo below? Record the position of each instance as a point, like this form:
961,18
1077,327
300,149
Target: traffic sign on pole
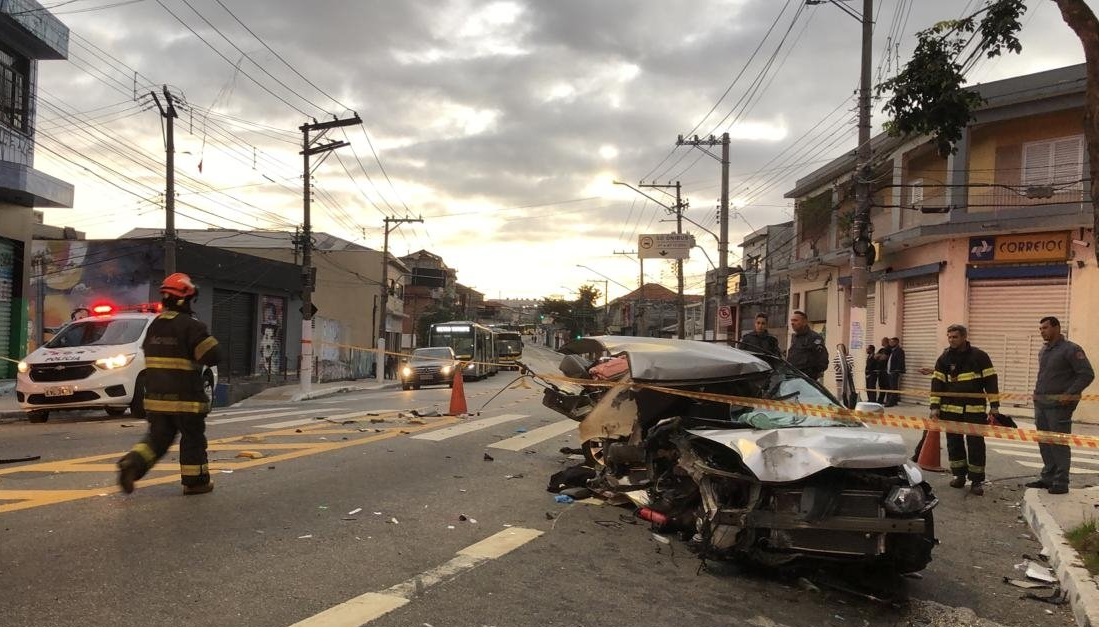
665,245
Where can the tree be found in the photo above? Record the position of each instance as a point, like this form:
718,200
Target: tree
440,311
575,316
928,96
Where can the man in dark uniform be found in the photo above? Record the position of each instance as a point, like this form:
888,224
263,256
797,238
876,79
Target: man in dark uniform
807,350
760,340
966,371
1063,369
176,348
894,368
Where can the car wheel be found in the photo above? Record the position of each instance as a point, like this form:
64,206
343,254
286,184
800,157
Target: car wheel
115,411
416,387
38,415
137,404
406,387
451,384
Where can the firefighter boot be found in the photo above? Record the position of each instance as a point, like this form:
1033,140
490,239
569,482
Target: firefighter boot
128,473
201,488
977,488
958,481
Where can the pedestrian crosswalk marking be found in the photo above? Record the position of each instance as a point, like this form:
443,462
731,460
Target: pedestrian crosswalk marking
536,436
258,415
307,421
467,427
1073,470
1036,455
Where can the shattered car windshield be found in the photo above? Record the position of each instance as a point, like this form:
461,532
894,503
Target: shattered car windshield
789,387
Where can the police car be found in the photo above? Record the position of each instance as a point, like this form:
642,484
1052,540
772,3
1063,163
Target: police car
94,361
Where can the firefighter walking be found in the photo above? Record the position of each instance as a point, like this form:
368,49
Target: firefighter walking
176,348
963,378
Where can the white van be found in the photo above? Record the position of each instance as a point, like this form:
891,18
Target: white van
94,361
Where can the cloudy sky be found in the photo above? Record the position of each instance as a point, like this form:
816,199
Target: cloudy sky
501,123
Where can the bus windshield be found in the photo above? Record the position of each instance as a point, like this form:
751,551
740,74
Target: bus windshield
457,336
509,344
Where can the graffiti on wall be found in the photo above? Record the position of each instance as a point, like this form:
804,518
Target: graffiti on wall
67,275
272,334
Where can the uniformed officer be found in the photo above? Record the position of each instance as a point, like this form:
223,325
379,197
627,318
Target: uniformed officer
759,340
807,350
1063,369
966,372
176,348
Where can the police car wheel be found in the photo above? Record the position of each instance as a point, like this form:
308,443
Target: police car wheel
137,405
38,415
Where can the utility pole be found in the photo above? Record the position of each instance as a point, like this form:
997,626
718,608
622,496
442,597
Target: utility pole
640,289
308,272
723,218
606,300
168,112
680,206
379,370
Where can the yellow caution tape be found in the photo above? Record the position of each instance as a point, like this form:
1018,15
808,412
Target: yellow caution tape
869,418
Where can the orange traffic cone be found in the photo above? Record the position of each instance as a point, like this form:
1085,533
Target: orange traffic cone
930,458
458,395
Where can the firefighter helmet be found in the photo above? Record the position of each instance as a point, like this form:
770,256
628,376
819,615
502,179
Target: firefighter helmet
179,285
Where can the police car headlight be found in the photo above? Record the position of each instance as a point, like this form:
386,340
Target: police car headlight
22,367
904,499
113,363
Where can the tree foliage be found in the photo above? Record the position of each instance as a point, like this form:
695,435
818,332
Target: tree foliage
928,97
576,316
440,311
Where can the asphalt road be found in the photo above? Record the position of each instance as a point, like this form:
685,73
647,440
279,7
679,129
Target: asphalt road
277,542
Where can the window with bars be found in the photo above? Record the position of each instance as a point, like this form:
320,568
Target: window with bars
1056,162
14,90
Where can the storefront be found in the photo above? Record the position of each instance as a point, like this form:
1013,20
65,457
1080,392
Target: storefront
920,314
9,308
1015,281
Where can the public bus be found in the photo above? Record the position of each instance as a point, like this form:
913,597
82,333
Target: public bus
471,342
509,348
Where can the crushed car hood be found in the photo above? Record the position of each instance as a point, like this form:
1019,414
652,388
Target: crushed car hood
662,360
782,455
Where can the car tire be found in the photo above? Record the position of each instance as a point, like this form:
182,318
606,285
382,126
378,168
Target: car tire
416,387
38,416
406,387
451,384
115,411
137,404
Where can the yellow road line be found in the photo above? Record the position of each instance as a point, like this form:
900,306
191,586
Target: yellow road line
26,499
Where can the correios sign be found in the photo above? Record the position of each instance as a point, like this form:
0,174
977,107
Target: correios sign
1024,247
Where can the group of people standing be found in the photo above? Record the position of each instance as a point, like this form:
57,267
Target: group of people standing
884,367
964,388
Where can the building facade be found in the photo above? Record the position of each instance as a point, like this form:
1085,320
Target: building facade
763,287
995,236
28,34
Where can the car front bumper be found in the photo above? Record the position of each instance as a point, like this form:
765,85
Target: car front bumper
103,388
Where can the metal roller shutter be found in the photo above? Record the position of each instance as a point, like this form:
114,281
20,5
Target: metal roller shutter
1003,322
919,331
234,328
7,305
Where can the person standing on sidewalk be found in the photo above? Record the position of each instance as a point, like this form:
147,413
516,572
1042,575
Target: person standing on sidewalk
759,339
963,378
176,347
894,368
873,367
1063,371
807,350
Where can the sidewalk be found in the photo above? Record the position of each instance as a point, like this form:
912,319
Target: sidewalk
1050,516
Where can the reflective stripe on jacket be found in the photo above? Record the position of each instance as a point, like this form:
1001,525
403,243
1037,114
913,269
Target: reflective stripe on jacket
176,348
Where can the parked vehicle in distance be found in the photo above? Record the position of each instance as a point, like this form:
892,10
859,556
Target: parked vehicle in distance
472,344
509,348
94,361
429,366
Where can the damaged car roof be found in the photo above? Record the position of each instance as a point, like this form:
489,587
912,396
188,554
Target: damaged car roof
667,360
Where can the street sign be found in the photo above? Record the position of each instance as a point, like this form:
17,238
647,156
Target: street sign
665,246
724,316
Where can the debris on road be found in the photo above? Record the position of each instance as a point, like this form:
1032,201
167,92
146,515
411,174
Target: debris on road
578,493
393,521
226,471
429,413
572,477
518,476
561,498
565,450
1040,573
252,438
807,585
1026,585
661,539
417,421
377,420
521,430
489,458
305,537
127,424
250,454
355,511
1057,597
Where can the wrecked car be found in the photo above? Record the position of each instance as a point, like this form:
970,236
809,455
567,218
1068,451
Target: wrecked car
776,483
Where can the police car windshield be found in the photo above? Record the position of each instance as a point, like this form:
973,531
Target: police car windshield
93,332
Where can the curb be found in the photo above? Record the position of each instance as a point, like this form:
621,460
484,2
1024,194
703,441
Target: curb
343,389
1076,581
